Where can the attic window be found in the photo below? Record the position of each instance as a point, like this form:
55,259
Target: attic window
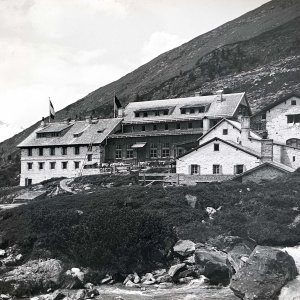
192,110
201,109
225,131
263,116
293,102
166,112
100,130
78,134
216,147
137,114
183,111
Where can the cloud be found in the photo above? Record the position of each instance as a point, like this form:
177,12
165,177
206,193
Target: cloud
158,43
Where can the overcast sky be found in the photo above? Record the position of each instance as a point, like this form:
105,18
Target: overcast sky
67,48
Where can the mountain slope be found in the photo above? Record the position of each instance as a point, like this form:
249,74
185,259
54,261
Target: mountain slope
244,55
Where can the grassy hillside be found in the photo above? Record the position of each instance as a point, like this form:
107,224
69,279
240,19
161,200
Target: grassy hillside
257,53
82,226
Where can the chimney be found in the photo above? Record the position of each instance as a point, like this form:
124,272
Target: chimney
43,122
219,94
88,119
67,121
197,94
245,129
266,150
120,112
206,122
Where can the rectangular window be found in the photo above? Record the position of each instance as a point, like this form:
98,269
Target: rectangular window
52,151
29,166
192,110
179,151
190,125
157,113
166,126
64,151
178,126
77,150
29,152
143,128
41,151
216,147
154,127
183,111
118,153
137,114
294,158
64,165
239,169
129,153
263,116
90,157
195,169
201,109
297,119
153,151
41,165
165,153
52,165
294,102
145,114
76,164
166,112
290,119
216,169
225,131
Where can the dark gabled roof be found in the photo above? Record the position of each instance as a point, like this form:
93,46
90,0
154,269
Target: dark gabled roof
232,144
272,164
277,102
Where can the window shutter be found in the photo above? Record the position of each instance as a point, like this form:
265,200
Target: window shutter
235,169
221,171
199,169
189,169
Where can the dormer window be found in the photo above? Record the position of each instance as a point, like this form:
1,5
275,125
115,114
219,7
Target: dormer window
145,114
137,114
166,112
156,113
183,111
201,109
294,102
192,110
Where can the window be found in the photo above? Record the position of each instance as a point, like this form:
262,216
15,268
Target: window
137,114
41,165
294,102
201,109
190,125
143,127
90,157
154,127
165,150
292,119
52,165
64,165
166,126
225,131
263,116
195,169
129,153
118,153
29,166
77,150
179,151
178,125
29,181
156,113
216,169
183,111
166,112
64,150
293,142
145,114
76,164
52,151
216,147
41,151
239,169
294,158
153,151
29,151
192,110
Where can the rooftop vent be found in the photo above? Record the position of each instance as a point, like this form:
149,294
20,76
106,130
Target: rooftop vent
219,94
197,94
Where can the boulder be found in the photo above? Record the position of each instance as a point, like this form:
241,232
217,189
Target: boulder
212,264
58,295
129,283
191,200
148,279
2,253
184,248
164,278
33,277
265,273
107,279
185,280
136,278
175,268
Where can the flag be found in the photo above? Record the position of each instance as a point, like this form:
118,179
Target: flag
51,109
117,102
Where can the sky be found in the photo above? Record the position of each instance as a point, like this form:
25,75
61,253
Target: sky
64,49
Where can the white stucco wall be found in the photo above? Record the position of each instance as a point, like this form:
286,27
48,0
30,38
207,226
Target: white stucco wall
288,156
38,175
276,121
206,157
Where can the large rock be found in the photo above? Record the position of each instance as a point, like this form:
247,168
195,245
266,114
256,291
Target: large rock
213,265
175,268
33,277
184,247
265,273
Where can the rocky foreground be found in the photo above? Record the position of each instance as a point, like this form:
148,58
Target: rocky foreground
251,272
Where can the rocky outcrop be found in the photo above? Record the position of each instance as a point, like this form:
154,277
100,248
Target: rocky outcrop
213,264
265,273
33,277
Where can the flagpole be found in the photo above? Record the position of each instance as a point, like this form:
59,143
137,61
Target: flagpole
114,105
49,110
